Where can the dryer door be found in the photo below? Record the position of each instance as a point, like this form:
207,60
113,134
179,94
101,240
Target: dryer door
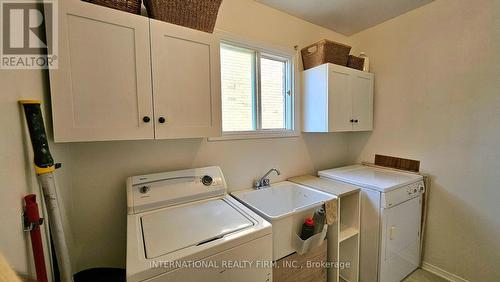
400,240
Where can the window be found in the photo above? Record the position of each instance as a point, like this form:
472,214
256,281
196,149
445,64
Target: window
257,92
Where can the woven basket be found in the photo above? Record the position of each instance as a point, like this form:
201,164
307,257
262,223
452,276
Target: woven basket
197,14
131,6
325,51
355,62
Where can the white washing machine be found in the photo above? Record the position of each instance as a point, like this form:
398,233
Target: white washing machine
182,226
391,205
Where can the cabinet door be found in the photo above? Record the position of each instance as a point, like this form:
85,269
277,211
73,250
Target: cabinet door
339,99
102,88
362,101
186,82
315,99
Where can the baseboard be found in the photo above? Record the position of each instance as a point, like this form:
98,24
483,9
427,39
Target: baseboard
442,273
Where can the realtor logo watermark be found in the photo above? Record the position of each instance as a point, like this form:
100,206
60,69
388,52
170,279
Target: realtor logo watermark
29,34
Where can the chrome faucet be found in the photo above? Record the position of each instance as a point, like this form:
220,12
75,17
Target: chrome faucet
264,182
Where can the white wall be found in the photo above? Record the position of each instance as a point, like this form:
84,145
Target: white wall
99,169
437,99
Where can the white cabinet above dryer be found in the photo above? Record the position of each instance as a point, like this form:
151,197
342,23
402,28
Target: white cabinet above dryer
337,98
125,77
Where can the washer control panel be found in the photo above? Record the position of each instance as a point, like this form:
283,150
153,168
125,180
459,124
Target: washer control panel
399,195
152,191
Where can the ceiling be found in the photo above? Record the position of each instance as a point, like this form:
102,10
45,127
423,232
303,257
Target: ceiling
345,16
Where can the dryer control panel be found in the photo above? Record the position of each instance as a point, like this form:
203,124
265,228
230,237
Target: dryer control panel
397,196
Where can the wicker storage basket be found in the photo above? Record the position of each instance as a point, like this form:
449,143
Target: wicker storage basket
325,51
131,6
197,14
355,62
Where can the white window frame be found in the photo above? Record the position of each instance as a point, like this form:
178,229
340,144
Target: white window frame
291,110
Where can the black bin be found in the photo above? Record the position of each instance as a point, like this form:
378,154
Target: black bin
100,274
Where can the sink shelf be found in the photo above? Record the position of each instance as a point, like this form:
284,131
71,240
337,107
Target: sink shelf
342,279
347,247
347,233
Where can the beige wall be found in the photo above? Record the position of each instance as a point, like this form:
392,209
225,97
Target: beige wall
16,173
437,99
17,177
99,169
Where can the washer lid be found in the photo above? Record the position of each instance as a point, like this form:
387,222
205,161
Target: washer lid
379,179
177,228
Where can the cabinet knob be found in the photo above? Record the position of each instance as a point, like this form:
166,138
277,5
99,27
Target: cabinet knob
146,119
356,121
352,120
161,120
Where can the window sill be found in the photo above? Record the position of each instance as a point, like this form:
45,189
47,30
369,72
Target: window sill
255,135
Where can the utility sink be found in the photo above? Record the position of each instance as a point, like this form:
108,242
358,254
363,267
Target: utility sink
281,199
285,205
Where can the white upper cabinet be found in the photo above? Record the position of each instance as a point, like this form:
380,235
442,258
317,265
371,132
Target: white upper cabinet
124,77
362,100
102,88
186,82
337,98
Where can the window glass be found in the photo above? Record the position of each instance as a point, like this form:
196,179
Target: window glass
273,83
256,95
237,85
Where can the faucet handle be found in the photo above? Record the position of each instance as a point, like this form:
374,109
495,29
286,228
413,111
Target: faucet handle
265,182
261,183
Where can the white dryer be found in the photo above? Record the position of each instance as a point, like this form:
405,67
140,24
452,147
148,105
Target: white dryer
182,226
391,205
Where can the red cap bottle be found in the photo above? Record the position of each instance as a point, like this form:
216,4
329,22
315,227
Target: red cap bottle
307,229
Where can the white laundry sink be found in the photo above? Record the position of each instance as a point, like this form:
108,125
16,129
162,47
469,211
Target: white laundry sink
281,199
285,205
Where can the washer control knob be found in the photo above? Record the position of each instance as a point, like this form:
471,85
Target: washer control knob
144,189
207,180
